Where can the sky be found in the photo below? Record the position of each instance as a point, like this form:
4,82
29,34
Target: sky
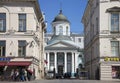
72,9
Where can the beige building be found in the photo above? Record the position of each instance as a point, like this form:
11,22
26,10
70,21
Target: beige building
21,37
102,39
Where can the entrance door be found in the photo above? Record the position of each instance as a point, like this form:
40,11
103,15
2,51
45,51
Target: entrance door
60,70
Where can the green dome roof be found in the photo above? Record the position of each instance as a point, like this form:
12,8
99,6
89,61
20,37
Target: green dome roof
60,17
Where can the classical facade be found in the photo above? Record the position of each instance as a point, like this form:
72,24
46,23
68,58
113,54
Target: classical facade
63,50
102,39
21,37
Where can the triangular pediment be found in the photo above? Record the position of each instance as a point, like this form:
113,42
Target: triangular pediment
62,44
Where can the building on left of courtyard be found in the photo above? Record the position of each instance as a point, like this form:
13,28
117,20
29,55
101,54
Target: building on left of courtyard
22,29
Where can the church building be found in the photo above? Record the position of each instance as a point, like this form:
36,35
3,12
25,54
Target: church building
62,54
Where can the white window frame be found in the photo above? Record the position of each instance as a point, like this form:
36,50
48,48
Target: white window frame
113,49
114,31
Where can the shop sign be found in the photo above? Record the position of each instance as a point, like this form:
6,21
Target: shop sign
111,59
4,59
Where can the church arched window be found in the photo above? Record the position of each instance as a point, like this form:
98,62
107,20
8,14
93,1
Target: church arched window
60,30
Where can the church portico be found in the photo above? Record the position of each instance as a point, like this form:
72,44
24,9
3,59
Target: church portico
60,60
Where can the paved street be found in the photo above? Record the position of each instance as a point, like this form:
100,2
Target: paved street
65,81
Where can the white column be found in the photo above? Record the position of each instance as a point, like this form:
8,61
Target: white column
76,61
48,61
73,64
65,63
55,62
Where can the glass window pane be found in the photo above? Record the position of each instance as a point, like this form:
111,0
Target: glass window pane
115,22
115,48
22,22
2,21
22,48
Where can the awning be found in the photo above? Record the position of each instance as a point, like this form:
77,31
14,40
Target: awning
2,63
15,63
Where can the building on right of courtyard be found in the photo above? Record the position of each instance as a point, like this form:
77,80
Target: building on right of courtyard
101,21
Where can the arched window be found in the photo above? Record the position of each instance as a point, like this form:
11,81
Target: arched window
60,30
54,30
67,30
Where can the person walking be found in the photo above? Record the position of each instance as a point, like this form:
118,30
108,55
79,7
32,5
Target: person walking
25,75
12,75
16,75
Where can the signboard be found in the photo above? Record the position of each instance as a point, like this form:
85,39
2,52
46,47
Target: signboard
4,59
111,59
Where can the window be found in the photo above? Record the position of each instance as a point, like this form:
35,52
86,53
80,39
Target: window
2,48
115,48
69,62
114,22
79,39
22,48
60,30
97,25
54,30
22,22
2,22
51,60
115,72
67,30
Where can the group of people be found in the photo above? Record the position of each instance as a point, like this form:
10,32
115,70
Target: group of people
20,75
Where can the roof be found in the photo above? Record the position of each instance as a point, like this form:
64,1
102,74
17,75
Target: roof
37,6
56,38
60,17
63,45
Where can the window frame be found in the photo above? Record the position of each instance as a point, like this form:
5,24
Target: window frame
113,48
3,48
3,23
23,22
113,24
21,48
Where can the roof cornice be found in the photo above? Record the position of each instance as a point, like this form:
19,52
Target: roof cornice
37,6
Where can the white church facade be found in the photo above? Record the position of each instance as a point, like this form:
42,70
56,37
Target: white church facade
62,53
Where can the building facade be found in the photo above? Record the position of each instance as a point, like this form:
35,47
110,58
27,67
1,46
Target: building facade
21,37
101,30
63,50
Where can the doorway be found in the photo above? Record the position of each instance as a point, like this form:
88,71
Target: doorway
60,70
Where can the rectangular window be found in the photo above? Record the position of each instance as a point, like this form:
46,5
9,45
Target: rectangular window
115,48
97,25
79,39
114,22
22,22
52,58
2,22
22,48
2,48
115,72
69,62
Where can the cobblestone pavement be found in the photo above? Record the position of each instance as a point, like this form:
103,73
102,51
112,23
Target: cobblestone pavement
64,81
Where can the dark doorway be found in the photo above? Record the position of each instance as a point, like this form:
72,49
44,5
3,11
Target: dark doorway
60,70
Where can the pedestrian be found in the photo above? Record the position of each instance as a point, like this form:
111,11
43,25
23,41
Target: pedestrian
25,75
12,75
16,75
22,78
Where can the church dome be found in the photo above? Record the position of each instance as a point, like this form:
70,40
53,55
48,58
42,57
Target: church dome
60,17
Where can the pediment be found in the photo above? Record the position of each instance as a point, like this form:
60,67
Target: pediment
113,9
61,44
